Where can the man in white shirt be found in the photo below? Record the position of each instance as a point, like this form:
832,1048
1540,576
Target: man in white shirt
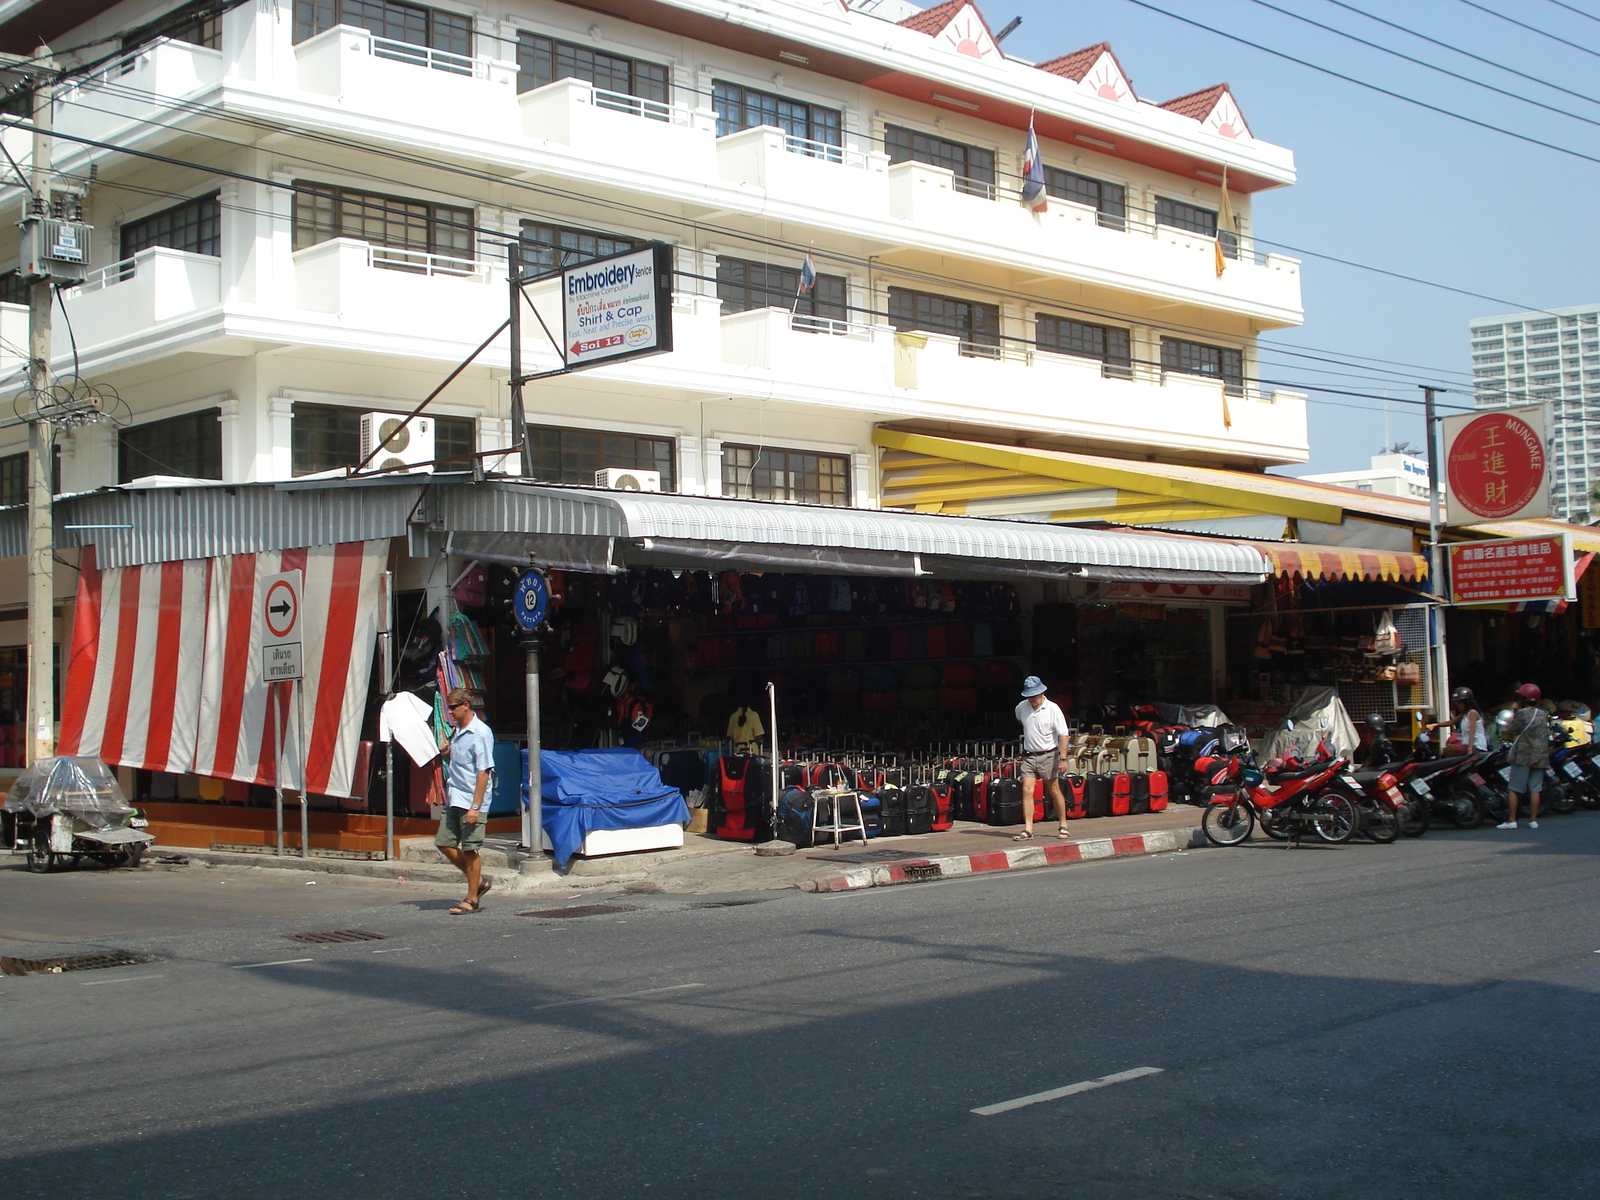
1045,742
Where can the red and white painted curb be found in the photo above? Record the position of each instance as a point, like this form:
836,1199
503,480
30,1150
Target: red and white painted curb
1047,853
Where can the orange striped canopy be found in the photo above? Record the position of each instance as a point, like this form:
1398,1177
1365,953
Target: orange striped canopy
1342,562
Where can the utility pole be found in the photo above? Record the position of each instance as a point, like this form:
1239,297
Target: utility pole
1441,668
41,445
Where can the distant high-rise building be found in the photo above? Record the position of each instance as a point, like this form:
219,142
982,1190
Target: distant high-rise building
1550,357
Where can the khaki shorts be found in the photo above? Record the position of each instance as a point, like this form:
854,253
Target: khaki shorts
1046,764
459,834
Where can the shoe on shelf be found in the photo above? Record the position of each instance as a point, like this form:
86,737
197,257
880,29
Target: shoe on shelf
1533,824
1506,825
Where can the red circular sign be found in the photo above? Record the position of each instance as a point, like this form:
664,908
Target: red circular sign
1496,466
282,608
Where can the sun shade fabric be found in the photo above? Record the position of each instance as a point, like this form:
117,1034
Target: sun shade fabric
165,671
1334,562
586,790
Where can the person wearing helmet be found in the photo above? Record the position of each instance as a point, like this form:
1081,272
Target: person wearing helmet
1380,750
1468,733
1528,731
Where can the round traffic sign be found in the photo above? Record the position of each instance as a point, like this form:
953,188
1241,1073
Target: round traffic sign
533,597
282,608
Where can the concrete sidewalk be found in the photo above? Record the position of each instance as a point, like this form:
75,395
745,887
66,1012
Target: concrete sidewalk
707,865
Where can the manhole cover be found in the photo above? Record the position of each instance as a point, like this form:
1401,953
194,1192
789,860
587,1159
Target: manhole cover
338,935
869,856
76,962
731,903
581,910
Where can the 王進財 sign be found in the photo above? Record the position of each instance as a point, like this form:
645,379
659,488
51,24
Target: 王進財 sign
617,307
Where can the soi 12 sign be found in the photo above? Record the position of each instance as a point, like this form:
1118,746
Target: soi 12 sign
617,307
1496,466
1511,569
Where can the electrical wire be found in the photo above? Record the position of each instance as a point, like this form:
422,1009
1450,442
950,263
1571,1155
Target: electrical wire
1544,33
1574,9
1372,87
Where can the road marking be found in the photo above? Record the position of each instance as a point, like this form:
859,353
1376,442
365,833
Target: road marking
385,950
1072,1089
124,979
677,987
282,962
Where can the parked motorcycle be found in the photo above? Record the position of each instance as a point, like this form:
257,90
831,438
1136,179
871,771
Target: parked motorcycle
1288,799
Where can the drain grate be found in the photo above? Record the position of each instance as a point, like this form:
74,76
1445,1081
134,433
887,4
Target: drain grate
921,872
731,903
869,856
581,910
338,935
76,962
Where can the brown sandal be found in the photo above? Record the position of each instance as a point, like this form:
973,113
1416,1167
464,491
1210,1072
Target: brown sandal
465,907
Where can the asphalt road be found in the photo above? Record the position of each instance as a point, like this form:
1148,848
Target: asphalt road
1365,1021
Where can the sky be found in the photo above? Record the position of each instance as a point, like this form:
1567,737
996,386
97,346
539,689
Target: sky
1383,182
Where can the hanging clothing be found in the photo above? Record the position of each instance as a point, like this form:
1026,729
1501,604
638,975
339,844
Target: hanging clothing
404,718
745,730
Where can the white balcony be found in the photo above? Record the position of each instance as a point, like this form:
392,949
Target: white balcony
143,302
850,180
403,296
135,86
431,89
811,351
623,133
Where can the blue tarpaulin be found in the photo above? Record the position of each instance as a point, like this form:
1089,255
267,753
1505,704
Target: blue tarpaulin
585,790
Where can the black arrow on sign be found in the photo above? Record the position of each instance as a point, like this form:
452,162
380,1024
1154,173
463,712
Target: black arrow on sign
281,609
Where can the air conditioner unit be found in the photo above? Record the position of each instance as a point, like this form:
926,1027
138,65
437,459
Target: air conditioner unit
410,446
627,479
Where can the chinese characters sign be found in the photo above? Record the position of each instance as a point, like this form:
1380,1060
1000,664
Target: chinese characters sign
1511,569
1495,466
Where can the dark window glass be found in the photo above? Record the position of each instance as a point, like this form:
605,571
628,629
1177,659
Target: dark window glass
413,227
14,289
973,165
189,445
195,226
197,31
574,455
1197,358
1194,219
742,286
1082,340
1110,200
762,473
14,479
542,60
410,24
745,108
552,247
977,325
325,437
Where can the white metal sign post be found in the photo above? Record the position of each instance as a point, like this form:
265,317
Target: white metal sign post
281,670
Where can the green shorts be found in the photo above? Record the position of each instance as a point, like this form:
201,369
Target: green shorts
455,832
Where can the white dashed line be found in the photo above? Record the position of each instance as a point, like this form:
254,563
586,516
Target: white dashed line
1072,1089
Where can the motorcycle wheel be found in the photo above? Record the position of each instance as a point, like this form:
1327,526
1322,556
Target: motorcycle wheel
40,860
1467,808
1558,797
1336,818
1228,824
1380,823
1589,797
1274,826
1416,818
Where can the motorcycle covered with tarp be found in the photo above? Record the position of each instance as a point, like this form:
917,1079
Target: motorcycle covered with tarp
61,810
1316,719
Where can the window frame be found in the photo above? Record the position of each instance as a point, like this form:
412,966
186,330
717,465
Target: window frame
1111,213
1232,381
442,30
541,256
309,460
331,206
979,181
1167,213
656,90
168,432
783,292
818,124
975,343
1074,337
547,440
198,212
760,459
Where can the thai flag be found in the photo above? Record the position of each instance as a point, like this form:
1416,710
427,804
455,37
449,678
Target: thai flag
808,275
1033,193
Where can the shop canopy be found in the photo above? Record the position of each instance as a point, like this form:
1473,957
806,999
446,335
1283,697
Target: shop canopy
1335,562
594,530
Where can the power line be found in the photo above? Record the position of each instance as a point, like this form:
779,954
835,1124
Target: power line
1574,9
1361,12
1361,41
1544,33
1382,91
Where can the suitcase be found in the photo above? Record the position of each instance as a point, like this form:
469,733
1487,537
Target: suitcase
1158,791
1038,799
1138,791
921,809
892,807
1097,795
1121,794
872,815
1005,802
796,815
1072,789
1141,754
978,809
944,807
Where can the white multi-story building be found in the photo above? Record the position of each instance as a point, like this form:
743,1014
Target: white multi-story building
1389,475
301,210
1550,357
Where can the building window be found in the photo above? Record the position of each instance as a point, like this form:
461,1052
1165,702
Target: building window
412,228
1197,358
1080,339
190,446
762,473
542,60
1109,200
325,437
552,247
742,286
574,455
408,24
977,325
745,108
196,31
195,226
973,165
1194,219
14,289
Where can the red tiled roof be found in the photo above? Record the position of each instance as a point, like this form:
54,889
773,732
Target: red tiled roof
933,20
1076,65
1197,105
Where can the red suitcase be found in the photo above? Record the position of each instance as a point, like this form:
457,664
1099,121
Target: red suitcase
944,803
1158,791
1121,795
1072,788
1038,800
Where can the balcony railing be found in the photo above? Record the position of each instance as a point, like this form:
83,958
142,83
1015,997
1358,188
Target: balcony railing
418,263
426,56
99,280
638,106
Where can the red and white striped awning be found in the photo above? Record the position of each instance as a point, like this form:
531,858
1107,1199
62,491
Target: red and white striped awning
165,672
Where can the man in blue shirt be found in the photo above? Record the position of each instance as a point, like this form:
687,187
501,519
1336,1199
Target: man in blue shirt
469,770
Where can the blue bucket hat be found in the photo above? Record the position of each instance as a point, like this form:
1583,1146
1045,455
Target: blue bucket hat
1033,686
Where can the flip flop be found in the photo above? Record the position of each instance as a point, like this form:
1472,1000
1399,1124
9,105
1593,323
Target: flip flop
466,907
1022,837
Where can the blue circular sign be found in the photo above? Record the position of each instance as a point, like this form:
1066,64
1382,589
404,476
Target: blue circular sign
533,597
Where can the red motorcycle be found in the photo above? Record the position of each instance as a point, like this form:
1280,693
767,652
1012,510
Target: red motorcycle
1288,798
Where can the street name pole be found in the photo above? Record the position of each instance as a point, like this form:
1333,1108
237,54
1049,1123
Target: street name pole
41,443
1436,651
519,414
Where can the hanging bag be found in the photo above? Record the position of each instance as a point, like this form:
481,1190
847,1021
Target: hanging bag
1386,638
